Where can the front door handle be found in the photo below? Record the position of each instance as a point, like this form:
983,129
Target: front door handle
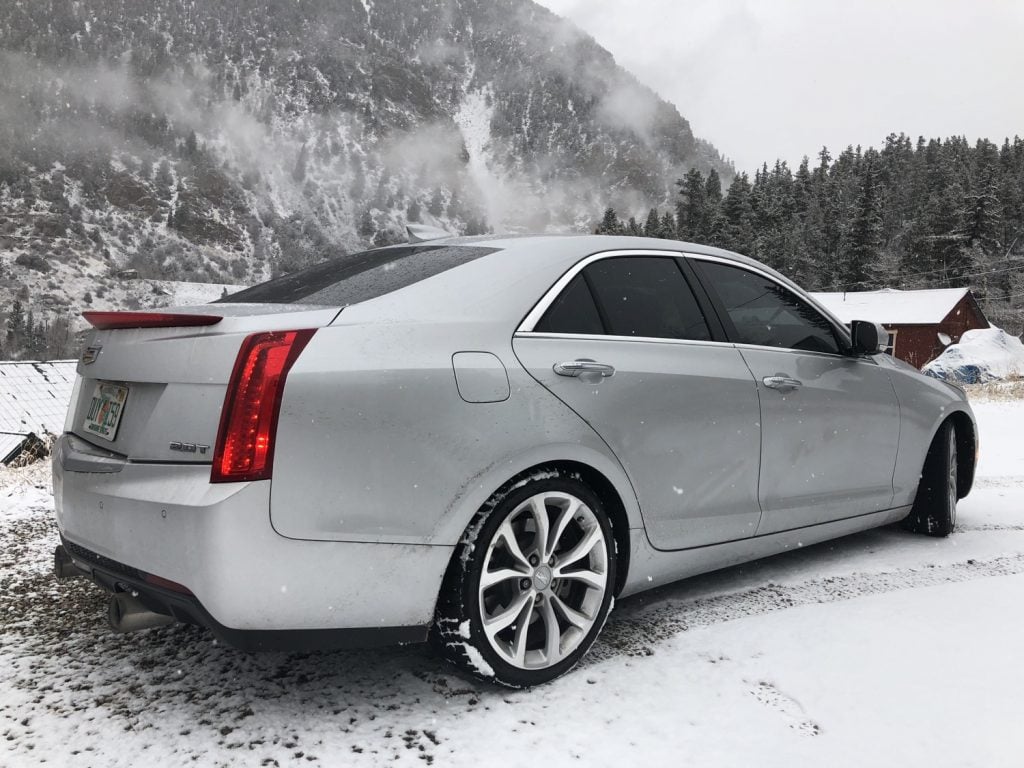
579,367
781,382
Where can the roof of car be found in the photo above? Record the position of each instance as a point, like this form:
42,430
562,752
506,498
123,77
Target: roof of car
583,245
505,284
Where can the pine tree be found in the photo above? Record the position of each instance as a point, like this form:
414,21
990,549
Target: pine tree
711,233
610,224
15,326
652,224
865,236
691,211
738,216
667,226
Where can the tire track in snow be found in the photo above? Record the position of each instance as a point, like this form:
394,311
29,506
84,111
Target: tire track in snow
637,633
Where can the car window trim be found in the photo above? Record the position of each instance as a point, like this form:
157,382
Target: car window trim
610,337
529,322
838,329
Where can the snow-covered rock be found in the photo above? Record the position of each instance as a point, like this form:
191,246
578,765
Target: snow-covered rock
981,355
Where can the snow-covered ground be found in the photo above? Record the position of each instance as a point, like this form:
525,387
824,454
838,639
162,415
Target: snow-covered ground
882,649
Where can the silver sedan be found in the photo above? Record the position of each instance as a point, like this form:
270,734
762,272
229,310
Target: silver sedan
482,442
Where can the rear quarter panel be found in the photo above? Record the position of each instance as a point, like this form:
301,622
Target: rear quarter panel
374,442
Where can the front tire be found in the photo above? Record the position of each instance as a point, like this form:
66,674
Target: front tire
934,510
531,582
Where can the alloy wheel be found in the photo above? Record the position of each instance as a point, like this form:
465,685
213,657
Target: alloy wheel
544,579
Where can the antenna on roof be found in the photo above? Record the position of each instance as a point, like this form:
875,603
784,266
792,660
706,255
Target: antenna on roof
421,233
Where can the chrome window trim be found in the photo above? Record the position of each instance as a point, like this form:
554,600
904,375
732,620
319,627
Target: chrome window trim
610,337
837,326
534,315
525,329
833,321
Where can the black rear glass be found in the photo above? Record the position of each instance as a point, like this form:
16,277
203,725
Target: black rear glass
356,277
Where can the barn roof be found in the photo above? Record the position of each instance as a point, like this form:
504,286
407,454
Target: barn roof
34,397
892,307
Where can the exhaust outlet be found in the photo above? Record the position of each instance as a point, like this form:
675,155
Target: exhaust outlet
126,614
64,567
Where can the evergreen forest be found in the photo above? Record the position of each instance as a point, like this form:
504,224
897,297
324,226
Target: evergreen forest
925,214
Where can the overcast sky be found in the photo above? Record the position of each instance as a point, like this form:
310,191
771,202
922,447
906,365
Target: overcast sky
763,79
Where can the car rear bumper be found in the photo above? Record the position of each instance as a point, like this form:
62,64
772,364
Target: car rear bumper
117,577
216,540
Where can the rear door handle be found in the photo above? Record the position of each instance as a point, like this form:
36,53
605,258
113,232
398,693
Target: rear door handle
781,382
578,367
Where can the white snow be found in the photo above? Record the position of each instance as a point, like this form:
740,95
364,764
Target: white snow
892,307
474,122
881,649
985,353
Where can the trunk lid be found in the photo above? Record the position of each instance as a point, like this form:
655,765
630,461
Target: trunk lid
172,379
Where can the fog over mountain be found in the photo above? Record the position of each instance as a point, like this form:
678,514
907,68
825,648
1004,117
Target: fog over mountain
226,140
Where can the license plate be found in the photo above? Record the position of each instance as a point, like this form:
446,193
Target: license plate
105,410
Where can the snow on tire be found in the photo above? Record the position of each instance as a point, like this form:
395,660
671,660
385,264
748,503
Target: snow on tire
531,582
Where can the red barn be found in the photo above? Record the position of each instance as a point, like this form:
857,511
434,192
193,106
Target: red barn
920,323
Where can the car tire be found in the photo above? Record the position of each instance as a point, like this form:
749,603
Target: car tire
934,510
531,582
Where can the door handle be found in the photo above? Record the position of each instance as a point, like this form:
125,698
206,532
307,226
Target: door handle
781,382
579,367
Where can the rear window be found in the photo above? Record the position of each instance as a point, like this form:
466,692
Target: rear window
357,277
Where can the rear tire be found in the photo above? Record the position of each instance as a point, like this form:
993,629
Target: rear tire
530,584
934,510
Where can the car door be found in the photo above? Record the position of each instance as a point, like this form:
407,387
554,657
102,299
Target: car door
829,420
623,341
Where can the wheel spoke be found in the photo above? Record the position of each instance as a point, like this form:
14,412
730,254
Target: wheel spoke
592,579
489,578
587,543
522,629
552,633
500,621
561,523
540,516
576,618
512,544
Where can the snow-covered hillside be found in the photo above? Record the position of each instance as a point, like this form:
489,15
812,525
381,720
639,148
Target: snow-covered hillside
884,648
223,141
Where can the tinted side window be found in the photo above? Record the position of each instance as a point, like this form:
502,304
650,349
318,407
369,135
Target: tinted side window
646,296
573,311
765,313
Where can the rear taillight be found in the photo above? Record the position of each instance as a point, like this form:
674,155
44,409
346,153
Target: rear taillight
248,423
106,321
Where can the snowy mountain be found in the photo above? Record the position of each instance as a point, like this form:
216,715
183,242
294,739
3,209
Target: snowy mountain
227,140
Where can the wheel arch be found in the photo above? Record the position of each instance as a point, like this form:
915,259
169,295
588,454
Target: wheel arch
966,450
589,475
607,492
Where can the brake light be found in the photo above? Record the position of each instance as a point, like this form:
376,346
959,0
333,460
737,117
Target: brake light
106,321
248,422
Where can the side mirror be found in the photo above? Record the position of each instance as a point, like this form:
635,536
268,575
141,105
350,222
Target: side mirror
868,338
